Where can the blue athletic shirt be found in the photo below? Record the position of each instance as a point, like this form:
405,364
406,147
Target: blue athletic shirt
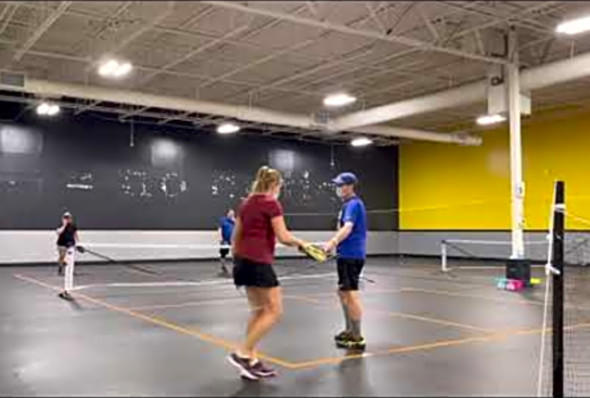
227,228
355,245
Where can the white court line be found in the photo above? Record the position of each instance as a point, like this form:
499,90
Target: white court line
491,242
154,246
149,246
212,282
489,266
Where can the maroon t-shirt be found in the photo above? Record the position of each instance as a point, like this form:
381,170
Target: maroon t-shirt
257,238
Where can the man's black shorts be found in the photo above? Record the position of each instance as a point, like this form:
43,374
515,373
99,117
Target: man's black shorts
349,272
252,274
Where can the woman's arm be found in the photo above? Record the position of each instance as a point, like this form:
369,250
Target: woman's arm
236,235
283,235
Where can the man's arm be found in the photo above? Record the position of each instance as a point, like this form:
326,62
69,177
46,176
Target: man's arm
341,235
348,218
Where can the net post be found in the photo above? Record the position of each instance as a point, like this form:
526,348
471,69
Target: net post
443,255
558,291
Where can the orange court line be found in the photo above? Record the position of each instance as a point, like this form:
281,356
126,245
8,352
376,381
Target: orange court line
474,296
400,315
397,350
187,304
499,299
158,321
494,337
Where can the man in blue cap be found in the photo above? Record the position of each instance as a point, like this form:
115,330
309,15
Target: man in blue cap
350,242
225,232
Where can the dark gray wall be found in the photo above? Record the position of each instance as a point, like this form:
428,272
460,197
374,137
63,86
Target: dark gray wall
170,178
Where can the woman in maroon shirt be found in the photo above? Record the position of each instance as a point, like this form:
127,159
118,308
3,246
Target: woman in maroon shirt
259,224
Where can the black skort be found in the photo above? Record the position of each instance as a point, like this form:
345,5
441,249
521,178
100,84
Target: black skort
252,274
349,273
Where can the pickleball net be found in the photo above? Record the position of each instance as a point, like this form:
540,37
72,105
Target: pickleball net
140,267
564,360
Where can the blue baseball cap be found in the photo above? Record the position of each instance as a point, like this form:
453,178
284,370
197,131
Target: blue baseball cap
346,178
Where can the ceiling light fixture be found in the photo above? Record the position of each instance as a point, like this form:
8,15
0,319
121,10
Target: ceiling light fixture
228,128
361,141
574,26
114,69
486,120
47,109
339,99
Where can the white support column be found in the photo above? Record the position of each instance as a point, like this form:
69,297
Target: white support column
516,182
443,256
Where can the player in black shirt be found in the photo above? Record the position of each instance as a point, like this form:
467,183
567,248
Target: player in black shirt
67,237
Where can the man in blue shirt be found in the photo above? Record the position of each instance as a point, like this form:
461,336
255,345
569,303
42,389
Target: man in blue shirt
225,231
350,242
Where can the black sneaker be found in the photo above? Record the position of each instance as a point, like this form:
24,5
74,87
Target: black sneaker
261,370
65,296
353,343
342,336
247,371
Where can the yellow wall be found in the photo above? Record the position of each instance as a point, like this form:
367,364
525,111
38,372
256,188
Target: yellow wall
453,187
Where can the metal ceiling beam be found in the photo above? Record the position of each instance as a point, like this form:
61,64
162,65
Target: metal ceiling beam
180,60
143,29
194,52
375,17
380,71
498,20
433,32
129,39
531,79
350,83
259,61
356,32
7,7
240,42
8,19
305,43
195,76
63,6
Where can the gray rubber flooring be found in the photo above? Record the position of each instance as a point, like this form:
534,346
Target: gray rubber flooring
428,333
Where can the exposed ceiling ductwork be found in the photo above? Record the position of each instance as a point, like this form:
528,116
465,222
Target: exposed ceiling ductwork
531,79
46,88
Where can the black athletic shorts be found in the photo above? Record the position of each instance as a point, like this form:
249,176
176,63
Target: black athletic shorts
252,274
223,252
349,272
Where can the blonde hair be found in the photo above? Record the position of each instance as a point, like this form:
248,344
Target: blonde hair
266,179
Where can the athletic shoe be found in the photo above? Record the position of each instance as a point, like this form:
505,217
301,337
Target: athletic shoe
352,343
247,371
342,336
65,296
261,370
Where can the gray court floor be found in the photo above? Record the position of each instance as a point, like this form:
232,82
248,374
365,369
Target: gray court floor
428,333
